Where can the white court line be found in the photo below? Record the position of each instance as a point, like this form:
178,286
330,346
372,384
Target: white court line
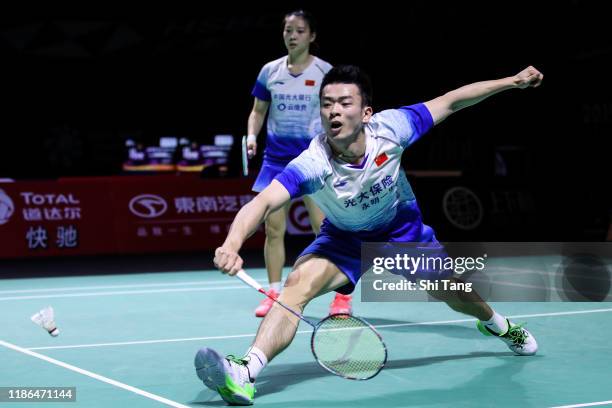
588,404
124,292
73,288
136,285
94,375
129,343
381,326
494,272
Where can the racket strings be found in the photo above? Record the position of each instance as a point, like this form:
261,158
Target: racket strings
349,347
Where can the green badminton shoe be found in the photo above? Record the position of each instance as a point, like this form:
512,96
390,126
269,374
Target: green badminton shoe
517,338
229,376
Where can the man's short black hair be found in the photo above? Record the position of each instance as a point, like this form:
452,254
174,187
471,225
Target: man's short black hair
350,74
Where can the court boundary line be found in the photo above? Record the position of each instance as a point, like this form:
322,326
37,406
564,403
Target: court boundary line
126,292
94,375
382,326
586,404
87,294
136,285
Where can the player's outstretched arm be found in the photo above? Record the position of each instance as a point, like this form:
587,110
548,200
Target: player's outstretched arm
246,222
468,95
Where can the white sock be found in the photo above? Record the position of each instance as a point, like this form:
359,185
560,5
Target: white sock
497,323
275,286
257,362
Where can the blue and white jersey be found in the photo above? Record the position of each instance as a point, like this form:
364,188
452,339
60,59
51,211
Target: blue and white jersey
367,196
294,116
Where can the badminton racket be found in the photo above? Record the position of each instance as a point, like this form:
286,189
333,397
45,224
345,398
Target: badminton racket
344,345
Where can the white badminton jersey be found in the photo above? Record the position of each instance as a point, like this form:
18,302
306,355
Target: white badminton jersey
365,196
294,116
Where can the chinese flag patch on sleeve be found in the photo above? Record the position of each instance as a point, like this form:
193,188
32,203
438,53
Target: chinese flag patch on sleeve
380,159
309,82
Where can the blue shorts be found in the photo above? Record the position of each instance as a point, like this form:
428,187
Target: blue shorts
343,248
269,170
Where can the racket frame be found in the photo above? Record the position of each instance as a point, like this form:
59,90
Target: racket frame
246,278
344,315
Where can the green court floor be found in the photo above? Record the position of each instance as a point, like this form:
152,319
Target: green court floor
129,340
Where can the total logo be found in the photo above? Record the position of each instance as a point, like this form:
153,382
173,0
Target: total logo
148,206
7,208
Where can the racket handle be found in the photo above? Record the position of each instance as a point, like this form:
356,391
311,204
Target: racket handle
246,278
245,157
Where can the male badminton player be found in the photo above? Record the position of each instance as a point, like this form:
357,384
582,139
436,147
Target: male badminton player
358,155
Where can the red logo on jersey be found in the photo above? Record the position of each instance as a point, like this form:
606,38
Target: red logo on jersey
381,158
309,82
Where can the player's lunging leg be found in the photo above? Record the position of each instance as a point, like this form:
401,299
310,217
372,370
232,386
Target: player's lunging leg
234,377
490,323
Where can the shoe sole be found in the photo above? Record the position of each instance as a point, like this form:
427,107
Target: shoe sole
210,368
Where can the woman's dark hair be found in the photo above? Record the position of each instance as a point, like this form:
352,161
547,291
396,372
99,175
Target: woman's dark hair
350,74
304,15
310,20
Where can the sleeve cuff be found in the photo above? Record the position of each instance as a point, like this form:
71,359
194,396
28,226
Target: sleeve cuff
290,179
261,92
420,118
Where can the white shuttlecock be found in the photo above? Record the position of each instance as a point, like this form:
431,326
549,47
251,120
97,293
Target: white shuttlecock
46,319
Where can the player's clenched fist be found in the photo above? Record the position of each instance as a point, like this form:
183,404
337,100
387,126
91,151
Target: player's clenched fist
227,261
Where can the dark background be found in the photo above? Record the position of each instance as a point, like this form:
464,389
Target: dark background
77,83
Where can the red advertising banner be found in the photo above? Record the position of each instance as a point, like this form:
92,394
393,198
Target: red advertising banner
177,212
132,214
48,218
